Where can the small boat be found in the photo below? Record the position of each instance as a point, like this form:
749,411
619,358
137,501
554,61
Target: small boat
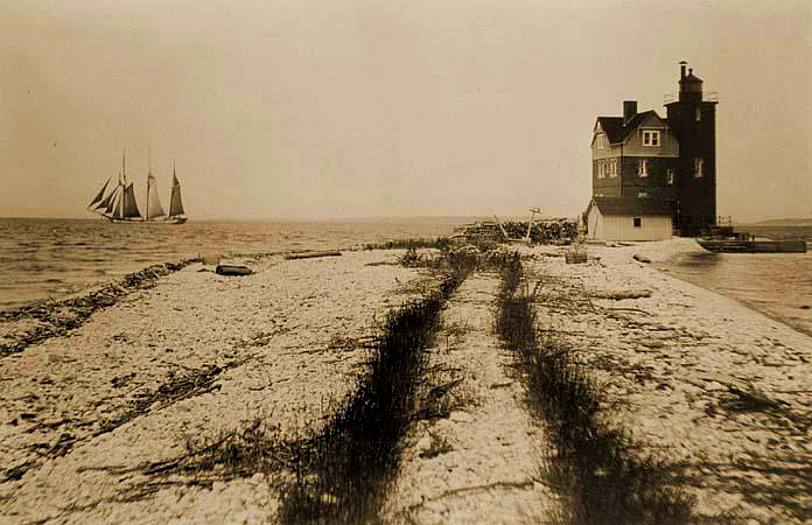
120,205
744,243
233,269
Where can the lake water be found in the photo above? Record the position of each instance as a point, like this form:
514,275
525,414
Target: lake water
41,258
778,284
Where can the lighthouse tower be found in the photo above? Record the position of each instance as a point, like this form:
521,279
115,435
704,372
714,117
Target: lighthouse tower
692,118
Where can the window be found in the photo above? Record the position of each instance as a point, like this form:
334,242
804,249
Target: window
599,140
600,169
651,138
669,175
642,194
613,168
699,165
698,114
642,168
638,222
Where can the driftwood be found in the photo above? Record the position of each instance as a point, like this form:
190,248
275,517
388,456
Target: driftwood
233,269
620,294
753,400
311,255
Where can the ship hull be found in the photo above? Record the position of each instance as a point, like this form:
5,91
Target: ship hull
172,221
753,246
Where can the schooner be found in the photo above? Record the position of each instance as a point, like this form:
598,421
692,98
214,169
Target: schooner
119,205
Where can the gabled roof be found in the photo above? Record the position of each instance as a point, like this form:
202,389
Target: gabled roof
632,206
613,127
617,131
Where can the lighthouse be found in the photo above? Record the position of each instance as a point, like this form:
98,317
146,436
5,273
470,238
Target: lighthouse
692,119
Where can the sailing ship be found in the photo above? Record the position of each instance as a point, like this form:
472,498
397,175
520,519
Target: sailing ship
119,205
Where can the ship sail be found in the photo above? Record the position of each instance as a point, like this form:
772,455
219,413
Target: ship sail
112,200
121,205
175,202
118,200
130,207
154,208
99,196
104,202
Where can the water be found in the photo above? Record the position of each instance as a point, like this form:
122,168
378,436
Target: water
42,258
777,284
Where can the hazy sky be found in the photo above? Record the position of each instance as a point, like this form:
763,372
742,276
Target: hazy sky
328,108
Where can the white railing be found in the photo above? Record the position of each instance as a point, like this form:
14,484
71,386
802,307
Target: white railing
707,96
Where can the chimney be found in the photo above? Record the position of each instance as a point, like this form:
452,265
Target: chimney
629,110
682,69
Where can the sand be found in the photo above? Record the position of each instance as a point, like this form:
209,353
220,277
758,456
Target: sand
481,464
670,366
284,338
200,354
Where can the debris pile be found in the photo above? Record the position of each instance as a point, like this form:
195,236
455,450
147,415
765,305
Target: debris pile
543,231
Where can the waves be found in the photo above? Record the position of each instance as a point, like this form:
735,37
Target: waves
50,258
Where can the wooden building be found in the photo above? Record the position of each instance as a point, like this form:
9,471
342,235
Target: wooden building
661,163
629,219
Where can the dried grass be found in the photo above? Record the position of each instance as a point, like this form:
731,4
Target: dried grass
596,469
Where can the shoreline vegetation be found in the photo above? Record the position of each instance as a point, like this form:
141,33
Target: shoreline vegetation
594,468
42,320
411,381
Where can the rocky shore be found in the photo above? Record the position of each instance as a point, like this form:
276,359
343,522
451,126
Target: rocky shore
147,410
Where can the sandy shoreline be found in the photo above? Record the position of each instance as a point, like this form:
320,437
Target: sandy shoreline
671,365
666,257
200,354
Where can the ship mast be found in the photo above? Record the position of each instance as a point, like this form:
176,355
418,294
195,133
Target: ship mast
149,176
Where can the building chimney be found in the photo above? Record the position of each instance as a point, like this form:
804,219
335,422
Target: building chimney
682,69
629,110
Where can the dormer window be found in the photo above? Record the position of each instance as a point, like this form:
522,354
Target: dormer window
642,168
699,167
651,138
599,140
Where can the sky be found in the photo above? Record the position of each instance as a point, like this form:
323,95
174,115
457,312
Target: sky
305,109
